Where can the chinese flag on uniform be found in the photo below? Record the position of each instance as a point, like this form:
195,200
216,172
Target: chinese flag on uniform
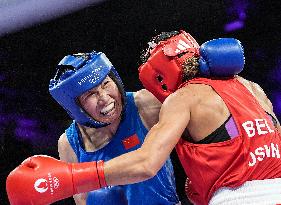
131,141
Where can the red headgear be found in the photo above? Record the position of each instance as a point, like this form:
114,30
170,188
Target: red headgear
162,73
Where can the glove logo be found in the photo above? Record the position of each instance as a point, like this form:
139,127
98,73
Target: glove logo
41,185
56,182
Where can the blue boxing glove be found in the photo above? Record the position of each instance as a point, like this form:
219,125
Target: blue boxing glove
107,196
223,57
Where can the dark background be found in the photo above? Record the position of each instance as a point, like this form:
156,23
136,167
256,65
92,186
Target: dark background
31,121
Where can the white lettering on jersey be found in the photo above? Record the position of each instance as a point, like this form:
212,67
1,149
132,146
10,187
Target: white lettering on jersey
266,151
259,126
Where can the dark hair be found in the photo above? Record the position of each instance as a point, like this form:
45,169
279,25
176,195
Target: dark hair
145,54
190,66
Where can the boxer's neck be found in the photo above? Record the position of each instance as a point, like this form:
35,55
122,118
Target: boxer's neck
97,138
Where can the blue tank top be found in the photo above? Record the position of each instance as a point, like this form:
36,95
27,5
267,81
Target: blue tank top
130,135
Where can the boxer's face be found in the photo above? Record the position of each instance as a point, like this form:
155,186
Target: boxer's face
103,103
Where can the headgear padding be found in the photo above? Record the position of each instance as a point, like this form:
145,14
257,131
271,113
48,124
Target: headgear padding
162,73
80,73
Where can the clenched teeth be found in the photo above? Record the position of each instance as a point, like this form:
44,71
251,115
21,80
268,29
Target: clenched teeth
108,108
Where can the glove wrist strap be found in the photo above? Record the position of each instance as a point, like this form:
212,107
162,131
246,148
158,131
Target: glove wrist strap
86,177
100,171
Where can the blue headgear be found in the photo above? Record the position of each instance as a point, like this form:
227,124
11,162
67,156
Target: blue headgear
77,74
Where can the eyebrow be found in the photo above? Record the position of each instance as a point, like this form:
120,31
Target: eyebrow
89,91
86,94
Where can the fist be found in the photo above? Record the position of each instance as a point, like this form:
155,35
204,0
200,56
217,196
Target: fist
39,180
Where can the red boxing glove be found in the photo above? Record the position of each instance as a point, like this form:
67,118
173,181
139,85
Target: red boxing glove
43,180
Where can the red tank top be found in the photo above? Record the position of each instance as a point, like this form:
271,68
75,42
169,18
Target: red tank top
252,155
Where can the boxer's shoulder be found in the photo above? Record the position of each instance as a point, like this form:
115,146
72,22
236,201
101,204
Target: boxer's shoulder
258,93
143,98
65,150
190,94
148,107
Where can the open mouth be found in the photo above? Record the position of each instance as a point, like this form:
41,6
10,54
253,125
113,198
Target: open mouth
108,109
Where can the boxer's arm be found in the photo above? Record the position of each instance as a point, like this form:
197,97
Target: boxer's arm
148,107
67,154
66,179
145,162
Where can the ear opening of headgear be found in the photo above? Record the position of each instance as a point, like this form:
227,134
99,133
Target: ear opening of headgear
77,74
162,73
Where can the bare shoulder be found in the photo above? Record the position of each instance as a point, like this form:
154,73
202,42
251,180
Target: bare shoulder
192,98
148,107
254,87
183,97
258,92
261,96
177,108
66,152
143,98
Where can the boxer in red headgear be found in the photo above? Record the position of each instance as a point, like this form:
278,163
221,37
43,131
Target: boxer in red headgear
174,58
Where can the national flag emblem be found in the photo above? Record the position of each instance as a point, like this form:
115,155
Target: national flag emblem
131,141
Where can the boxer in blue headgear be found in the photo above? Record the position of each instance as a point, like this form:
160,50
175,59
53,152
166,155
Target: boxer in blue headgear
107,122
77,74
